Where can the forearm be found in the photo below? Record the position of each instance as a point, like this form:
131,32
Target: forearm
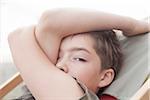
70,21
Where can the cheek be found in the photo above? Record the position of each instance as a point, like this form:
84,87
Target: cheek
78,70
87,74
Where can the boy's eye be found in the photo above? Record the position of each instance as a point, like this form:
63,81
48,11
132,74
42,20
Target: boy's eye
80,59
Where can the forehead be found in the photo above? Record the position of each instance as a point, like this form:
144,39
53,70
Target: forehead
78,41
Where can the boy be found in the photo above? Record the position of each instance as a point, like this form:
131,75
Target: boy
43,42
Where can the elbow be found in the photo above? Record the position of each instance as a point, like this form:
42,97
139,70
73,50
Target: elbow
51,21
56,13
10,37
50,14
13,36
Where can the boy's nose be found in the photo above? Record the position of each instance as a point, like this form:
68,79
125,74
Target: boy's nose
62,67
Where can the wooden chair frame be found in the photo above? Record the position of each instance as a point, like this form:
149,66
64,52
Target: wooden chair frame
10,84
143,93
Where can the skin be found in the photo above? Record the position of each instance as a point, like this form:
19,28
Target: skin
65,21
23,47
43,41
78,58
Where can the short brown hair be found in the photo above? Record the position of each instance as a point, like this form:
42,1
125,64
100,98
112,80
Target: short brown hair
108,48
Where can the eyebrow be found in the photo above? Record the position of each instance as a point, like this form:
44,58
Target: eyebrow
80,49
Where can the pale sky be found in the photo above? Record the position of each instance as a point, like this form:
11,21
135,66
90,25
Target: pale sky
17,13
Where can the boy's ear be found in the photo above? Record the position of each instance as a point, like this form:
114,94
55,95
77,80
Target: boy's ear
106,77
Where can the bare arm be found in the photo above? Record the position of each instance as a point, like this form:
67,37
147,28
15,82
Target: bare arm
45,81
39,73
71,21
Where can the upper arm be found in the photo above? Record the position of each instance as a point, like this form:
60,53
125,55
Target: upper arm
41,76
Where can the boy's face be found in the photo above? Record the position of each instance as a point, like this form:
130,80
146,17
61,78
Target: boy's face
78,58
